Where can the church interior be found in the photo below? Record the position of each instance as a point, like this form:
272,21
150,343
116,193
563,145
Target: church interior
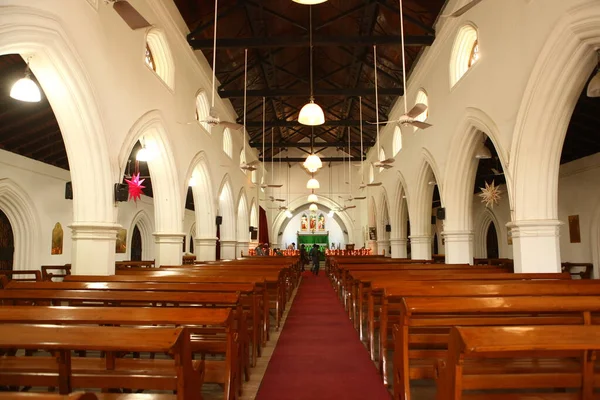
299,168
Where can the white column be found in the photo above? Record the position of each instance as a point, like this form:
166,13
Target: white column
459,247
420,247
228,250
168,248
536,246
372,244
205,249
93,248
398,248
383,245
241,247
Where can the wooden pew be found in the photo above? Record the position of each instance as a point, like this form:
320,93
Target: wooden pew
581,270
201,324
26,275
55,271
251,299
66,372
421,336
84,396
520,358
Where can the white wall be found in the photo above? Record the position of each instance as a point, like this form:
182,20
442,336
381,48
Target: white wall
332,227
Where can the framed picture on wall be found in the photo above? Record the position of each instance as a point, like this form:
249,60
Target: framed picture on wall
372,233
574,233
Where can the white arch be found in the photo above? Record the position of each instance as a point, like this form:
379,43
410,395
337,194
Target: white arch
461,52
161,54
204,203
462,167
400,209
423,99
555,84
168,204
372,212
344,220
227,143
59,69
420,206
253,213
243,234
203,110
227,210
480,246
146,228
384,215
397,140
22,214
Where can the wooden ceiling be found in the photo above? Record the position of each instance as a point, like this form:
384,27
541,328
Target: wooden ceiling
276,33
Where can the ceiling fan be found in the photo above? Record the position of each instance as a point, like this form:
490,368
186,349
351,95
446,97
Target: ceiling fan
272,199
213,115
345,208
245,166
463,9
280,208
129,14
270,185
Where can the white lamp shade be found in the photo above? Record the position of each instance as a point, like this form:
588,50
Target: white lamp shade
26,90
483,153
313,163
309,2
288,214
330,214
593,89
313,207
312,198
143,155
313,184
192,182
311,114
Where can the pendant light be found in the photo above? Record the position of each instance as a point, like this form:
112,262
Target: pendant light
25,89
309,2
313,184
312,163
312,198
313,207
311,114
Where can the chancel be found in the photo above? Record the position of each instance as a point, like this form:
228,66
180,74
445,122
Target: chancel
185,165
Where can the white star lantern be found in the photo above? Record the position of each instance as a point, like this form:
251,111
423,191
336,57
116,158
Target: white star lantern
490,194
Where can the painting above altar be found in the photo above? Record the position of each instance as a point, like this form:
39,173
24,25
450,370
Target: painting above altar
312,223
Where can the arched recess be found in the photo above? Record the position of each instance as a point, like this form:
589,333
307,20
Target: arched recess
20,211
400,210
556,82
243,234
150,130
372,216
343,218
420,211
227,210
460,59
192,237
146,228
481,229
60,72
156,41
253,213
462,168
204,205
383,235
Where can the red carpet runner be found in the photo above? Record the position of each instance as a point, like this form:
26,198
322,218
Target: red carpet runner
319,355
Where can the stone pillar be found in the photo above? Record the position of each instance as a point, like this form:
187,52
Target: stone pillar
93,248
459,247
399,248
241,247
536,246
228,250
372,244
383,246
205,249
168,248
420,247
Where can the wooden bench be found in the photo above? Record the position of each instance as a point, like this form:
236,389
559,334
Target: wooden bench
524,358
421,336
84,396
30,275
182,373
55,271
580,270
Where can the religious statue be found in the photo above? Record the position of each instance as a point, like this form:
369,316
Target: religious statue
304,223
321,222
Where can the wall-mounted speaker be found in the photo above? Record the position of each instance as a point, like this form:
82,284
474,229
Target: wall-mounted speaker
441,213
219,220
69,191
251,229
388,228
254,235
433,222
121,192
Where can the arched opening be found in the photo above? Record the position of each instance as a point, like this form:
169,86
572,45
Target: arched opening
7,243
227,143
200,183
242,225
422,98
465,52
157,56
435,248
136,244
491,242
226,232
203,110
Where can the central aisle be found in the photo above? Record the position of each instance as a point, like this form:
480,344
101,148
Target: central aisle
319,355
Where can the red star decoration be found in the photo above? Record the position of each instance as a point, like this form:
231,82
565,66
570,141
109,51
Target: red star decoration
135,187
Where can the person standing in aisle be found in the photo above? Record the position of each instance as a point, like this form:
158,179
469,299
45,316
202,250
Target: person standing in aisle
315,255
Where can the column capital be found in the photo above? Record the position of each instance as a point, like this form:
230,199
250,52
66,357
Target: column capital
457,236
228,242
94,230
535,228
398,242
168,237
415,239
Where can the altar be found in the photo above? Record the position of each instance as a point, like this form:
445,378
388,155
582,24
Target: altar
309,239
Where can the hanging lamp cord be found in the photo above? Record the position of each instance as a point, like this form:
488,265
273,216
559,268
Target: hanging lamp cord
310,51
403,57
214,54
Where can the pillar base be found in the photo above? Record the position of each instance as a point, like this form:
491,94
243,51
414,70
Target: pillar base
384,247
205,249
241,249
536,246
93,251
399,248
228,249
459,247
169,249
372,244
420,247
